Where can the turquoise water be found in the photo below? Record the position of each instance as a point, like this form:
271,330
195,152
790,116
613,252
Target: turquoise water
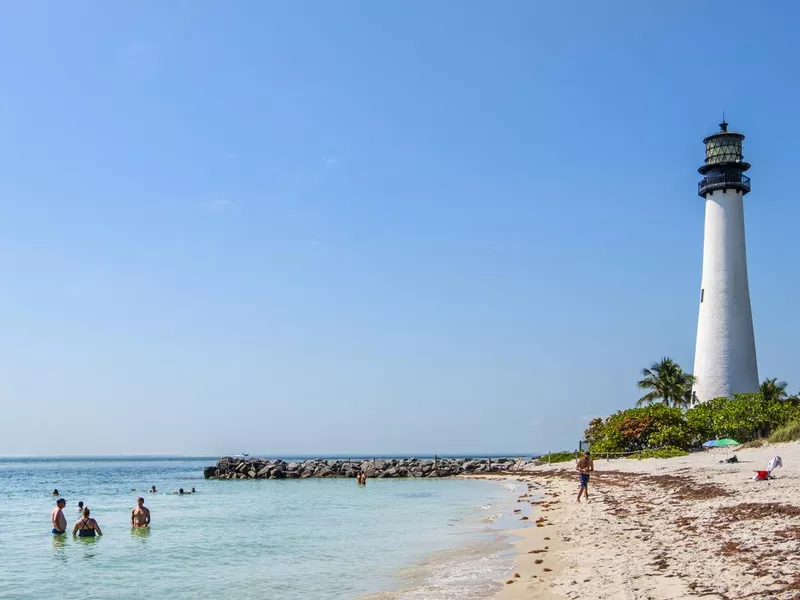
264,539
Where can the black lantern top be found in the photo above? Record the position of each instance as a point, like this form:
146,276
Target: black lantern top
724,165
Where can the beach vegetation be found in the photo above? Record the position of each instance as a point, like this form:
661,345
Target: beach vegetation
745,417
556,457
665,381
788,433
668,452
637,429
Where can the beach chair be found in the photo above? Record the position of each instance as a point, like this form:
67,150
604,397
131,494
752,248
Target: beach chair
774,463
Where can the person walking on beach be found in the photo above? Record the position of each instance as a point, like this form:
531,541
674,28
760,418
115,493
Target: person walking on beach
584,467
140,515
86,526
58,519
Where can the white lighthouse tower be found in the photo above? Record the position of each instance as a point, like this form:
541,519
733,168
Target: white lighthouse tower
725,355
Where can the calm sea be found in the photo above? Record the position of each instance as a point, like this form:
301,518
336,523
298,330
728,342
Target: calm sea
299,539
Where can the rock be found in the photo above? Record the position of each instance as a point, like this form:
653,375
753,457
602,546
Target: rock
259,468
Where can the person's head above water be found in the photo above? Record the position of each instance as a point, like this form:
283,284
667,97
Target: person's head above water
80,505
86,512
61,503
180,491
55,492
140,501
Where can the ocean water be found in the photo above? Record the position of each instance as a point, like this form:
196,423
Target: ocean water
297,539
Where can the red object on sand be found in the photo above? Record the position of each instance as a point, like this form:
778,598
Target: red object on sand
762,475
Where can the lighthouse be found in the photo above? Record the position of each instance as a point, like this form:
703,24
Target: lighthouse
725,354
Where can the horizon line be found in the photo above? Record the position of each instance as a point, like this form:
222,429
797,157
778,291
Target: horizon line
338,455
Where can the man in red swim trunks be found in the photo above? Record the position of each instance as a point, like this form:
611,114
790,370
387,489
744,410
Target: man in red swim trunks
584,467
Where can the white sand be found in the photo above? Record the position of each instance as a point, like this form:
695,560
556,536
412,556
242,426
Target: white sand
666,529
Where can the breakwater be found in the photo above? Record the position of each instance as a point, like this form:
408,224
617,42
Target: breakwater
234,467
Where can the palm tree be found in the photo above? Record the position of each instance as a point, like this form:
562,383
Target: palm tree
772,389
667,382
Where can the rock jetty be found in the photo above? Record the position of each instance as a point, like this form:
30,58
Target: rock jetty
230,467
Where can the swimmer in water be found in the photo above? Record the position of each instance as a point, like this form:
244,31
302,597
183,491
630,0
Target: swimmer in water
153,490
86,526
57,518
55,493
180,492
140,515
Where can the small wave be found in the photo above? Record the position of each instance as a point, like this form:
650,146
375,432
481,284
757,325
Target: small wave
492,518
510,486
470,573
487,507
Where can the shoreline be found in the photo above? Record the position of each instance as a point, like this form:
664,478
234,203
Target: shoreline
536,562
665,529
474,567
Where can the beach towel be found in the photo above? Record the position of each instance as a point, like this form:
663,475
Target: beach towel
761,476
774,463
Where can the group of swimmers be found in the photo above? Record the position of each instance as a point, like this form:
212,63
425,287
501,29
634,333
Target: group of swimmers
86,526
361,479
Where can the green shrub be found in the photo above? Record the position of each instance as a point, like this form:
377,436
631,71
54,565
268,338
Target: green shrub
787,433
744,418
668,452
631,430
556,457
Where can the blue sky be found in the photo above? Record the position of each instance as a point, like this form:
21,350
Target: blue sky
371,227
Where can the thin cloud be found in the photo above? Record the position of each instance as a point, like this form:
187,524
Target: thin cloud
330,160
219,205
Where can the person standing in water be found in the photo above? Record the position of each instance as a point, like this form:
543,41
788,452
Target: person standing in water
86,526
140,515
584,467
57,518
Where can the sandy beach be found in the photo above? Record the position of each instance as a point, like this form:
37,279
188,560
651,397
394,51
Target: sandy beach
668,529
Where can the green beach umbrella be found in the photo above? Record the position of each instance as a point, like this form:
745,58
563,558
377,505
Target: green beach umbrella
727,442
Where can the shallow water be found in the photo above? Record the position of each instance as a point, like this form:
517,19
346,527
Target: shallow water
313,538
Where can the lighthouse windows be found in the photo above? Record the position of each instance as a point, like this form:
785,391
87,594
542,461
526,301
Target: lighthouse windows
702,293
